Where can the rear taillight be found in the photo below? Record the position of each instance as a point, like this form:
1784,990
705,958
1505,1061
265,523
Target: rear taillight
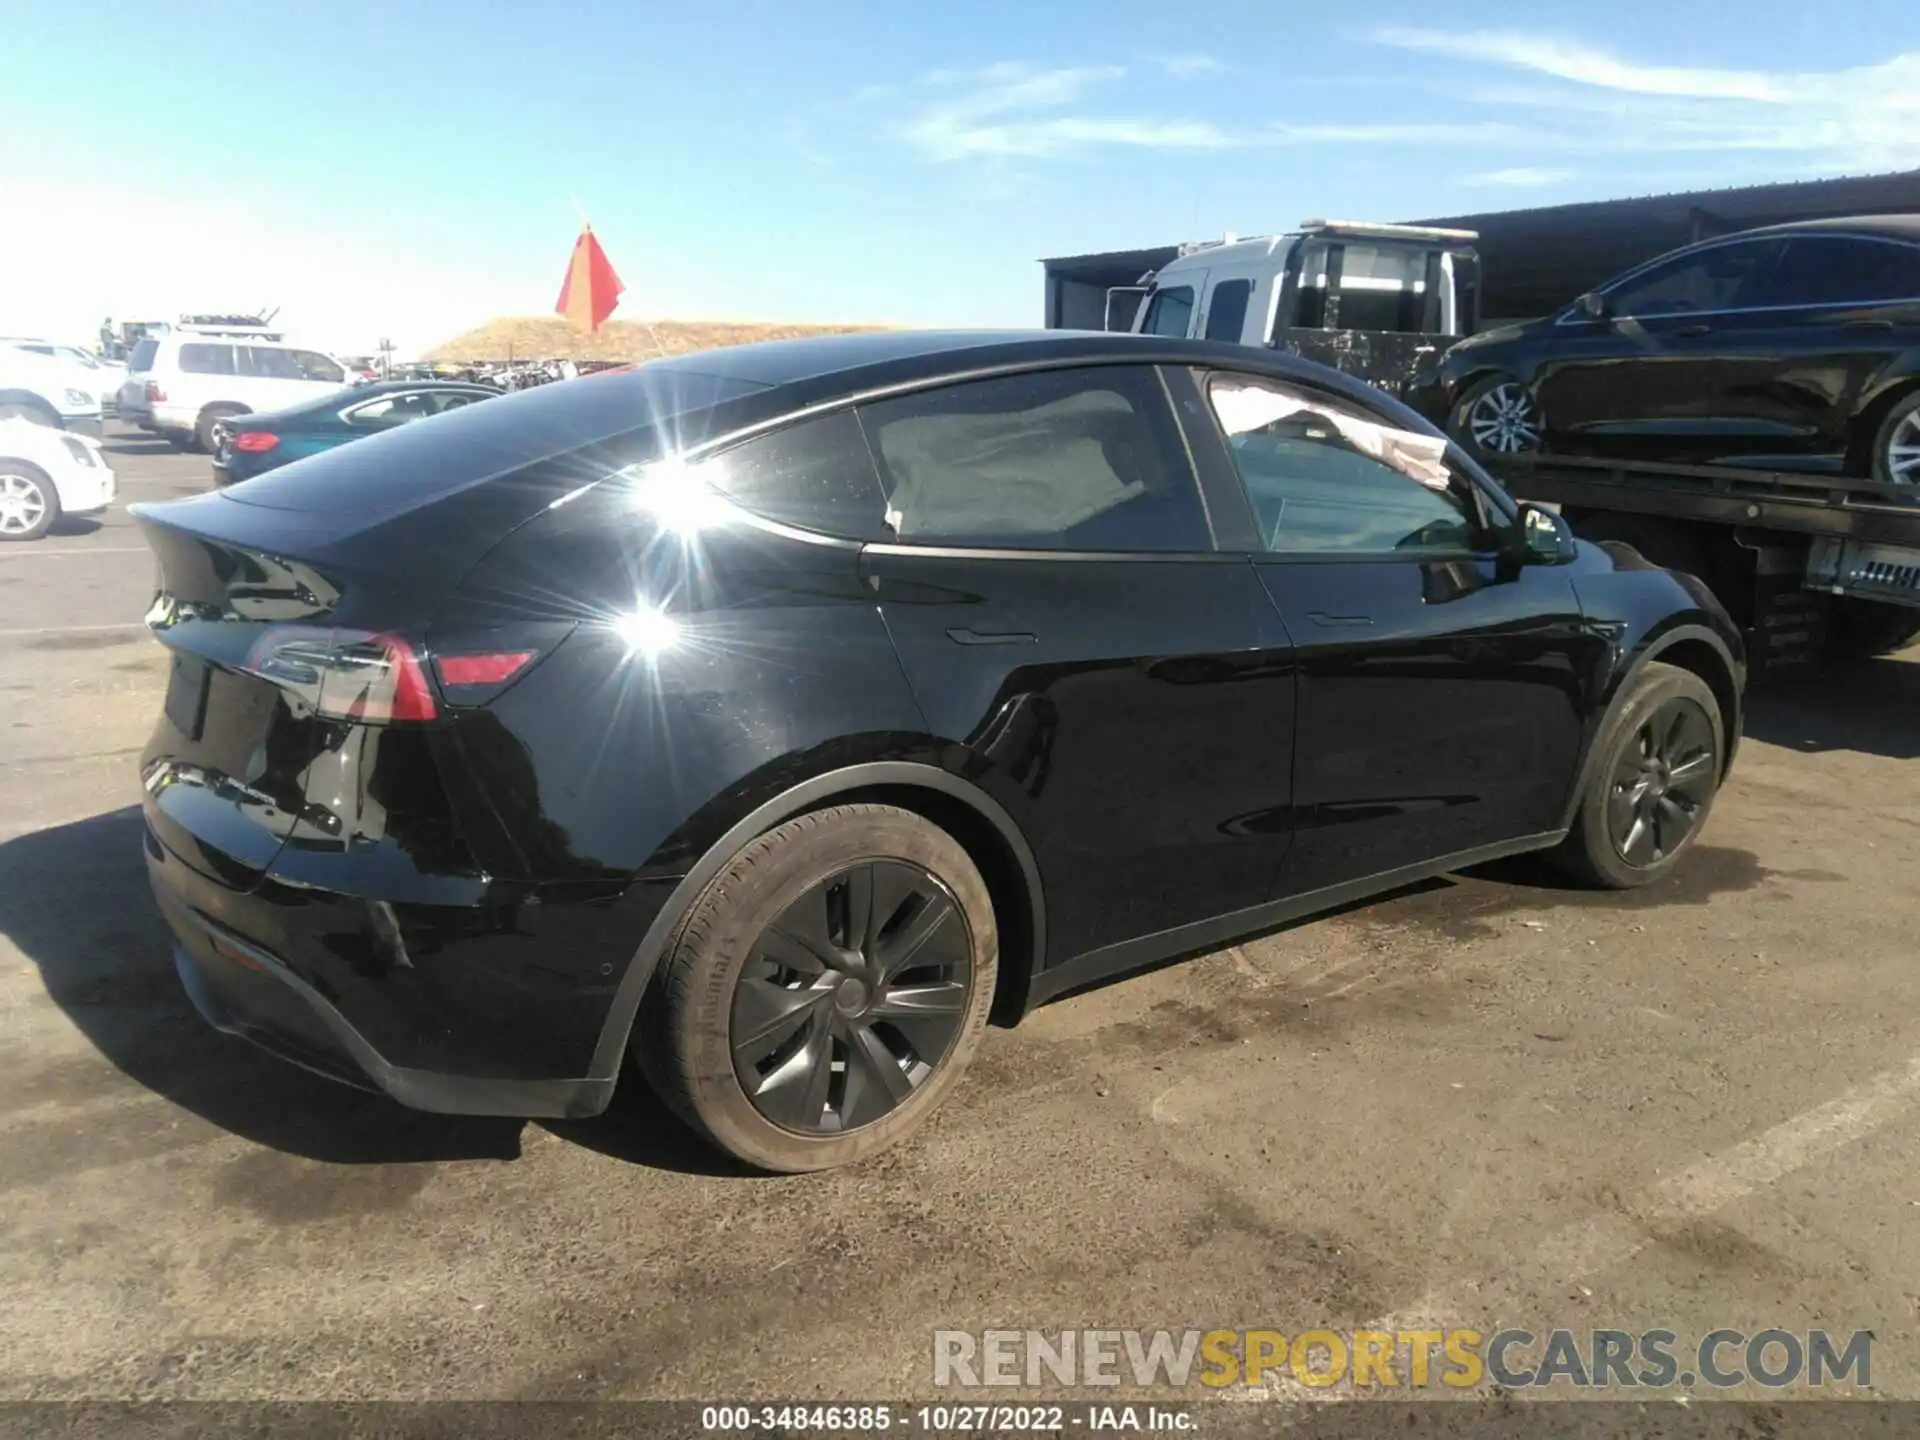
493,669
346,674
255,442
155,395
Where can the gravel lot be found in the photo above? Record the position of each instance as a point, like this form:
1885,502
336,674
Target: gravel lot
1489,1101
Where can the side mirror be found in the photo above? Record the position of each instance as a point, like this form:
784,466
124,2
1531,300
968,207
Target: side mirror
1593,306
1543,537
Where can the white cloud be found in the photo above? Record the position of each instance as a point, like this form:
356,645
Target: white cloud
1519,176
1862,117
1014,111
1186,66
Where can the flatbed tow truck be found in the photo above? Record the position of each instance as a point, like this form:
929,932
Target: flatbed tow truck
1814,567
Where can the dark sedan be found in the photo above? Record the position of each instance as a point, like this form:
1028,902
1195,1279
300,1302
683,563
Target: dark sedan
249,445
1793,347
772,716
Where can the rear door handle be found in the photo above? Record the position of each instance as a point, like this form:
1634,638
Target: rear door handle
1320,617
992,637
1694,330
1869,324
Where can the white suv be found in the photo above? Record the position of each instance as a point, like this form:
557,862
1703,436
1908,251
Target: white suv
183,383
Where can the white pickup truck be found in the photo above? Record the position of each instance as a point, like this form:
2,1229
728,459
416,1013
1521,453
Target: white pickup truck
1376,301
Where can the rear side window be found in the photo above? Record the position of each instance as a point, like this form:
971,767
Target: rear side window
1059,460
203,359
143,353
1170,312
1841,270
816,475
1227,312
278,362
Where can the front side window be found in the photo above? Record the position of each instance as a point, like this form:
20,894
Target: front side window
206,359
1325,478
1227,310
1055,460
1710,280
1169,312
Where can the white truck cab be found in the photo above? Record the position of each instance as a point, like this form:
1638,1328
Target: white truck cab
1376,301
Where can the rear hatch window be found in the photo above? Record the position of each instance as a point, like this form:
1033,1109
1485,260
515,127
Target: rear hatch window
143,353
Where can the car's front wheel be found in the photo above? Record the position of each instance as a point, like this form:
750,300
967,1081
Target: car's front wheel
1498,416
29,505
826,989
1655,773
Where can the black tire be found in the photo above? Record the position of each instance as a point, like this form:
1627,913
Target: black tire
1862,629
687,1039
203,435
1461,426
1672,707
181,441
1905,416
24,485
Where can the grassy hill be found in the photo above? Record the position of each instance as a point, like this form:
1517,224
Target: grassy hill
543,337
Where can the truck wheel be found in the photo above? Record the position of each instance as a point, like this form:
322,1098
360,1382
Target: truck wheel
1497,417
1896,449
1655,770
826,990
1862,629
207,432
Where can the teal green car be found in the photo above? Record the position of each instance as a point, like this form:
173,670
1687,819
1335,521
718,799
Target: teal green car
249,445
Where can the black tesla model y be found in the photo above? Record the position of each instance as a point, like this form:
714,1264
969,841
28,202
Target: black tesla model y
773,716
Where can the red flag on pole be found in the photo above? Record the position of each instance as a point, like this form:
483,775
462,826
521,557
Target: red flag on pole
591,290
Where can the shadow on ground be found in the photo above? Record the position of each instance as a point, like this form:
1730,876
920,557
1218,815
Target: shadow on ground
1872,706
74,899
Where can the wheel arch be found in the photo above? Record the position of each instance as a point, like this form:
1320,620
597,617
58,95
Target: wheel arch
1688,646
1866,424
973,817
32,400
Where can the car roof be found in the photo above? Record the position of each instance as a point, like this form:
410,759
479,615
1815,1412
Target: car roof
825,368
1893,227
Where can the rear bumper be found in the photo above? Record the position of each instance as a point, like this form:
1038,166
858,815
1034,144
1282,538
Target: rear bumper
245,989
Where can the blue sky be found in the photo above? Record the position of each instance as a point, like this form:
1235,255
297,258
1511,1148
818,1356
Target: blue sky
411,168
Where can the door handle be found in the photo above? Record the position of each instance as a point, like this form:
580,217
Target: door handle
1694,330
1320,617
992,637
1869,324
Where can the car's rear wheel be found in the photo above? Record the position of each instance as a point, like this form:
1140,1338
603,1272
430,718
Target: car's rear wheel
29,503
1498,417
826,989
1655,773
1896,449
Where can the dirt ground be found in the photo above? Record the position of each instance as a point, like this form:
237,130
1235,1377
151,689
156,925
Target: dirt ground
1491,1101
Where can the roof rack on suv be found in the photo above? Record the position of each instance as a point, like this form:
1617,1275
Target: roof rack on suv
1384,232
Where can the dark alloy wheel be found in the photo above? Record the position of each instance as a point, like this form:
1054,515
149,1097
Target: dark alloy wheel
826,989
851,998
1662,783
1652,779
